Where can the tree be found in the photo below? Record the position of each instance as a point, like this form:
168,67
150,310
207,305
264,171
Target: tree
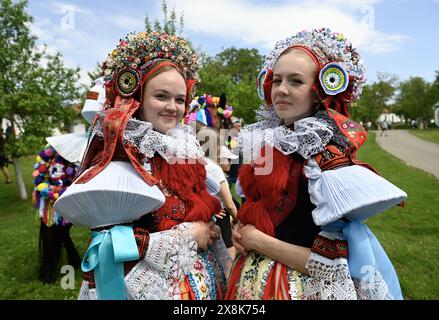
376,99
415,99
169,23
241,64
434,89
233,72
35,87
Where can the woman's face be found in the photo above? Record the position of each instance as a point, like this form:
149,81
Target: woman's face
164,99
293,77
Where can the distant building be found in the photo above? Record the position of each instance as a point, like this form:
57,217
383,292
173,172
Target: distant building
390,117
436,114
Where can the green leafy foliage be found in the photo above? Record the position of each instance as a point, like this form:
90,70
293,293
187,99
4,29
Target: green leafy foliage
36,89
233,72
415,100
169,22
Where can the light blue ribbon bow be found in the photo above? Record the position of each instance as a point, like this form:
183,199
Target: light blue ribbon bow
105,255
366,252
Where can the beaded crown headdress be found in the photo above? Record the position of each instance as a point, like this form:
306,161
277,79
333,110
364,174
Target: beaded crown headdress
128,64
341,75
126,69
341,71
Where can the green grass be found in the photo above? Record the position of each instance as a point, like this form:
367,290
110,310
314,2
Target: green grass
427,134
19,258
409,235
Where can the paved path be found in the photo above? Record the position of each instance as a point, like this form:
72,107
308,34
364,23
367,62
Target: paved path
416,152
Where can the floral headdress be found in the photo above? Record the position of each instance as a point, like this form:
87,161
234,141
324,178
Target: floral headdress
341,73
128,65
126,69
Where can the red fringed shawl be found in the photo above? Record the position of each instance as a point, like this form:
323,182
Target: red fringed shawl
187,184
270,198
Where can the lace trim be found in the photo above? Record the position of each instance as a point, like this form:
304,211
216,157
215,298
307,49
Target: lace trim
85,293
184,252
296,280
329,279
166,263
180,142
158,249
372,287
309,137
146,283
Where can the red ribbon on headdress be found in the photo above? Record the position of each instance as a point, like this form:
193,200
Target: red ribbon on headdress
267,85
189,85
114,124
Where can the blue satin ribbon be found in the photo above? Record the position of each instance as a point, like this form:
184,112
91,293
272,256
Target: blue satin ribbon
366,255
105,255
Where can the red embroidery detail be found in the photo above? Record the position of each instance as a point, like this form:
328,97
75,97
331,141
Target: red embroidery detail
187,199
172,213
331,249
355,132
332,157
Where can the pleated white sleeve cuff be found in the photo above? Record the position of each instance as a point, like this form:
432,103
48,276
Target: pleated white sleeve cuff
353,192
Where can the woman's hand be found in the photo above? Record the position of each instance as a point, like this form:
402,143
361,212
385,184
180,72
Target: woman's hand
215,233
250,237
236,239
221,214
291,255
233,212
206,233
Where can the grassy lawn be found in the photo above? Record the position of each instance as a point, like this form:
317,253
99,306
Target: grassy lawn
19,259
409,235
427,134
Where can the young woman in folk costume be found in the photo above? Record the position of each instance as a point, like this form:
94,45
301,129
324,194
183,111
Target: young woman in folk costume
150,78
300,230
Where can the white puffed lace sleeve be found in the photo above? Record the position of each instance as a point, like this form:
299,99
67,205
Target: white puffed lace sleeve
170,257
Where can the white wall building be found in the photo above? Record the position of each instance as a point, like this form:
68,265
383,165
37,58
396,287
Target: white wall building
393,118
436,114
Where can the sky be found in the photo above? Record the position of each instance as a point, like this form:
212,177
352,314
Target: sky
399,37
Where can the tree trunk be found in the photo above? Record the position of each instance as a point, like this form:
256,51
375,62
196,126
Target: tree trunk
19,178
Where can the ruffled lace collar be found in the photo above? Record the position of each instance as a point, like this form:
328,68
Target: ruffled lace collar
178,143
309,136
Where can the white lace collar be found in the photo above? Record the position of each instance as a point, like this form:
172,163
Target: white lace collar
309,137
180,142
